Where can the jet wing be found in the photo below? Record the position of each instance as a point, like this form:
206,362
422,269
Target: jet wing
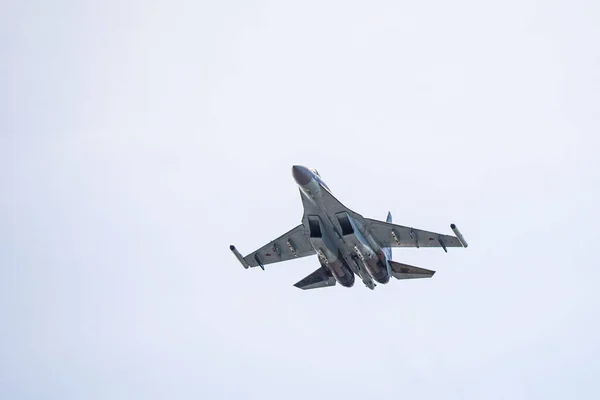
392,235
318,279
290,245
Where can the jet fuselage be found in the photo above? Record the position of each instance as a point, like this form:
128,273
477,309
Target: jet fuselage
341,242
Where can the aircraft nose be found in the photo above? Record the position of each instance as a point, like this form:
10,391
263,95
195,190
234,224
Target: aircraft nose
301,174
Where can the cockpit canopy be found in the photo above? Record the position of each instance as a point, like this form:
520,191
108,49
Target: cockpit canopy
319,179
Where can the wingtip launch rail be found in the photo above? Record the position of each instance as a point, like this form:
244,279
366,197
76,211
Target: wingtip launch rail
459,235
237,255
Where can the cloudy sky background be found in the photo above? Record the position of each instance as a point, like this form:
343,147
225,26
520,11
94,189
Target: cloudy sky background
139,139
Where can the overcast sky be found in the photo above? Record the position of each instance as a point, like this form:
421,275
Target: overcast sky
139,139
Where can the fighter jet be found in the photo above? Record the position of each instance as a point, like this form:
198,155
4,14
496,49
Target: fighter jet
346,243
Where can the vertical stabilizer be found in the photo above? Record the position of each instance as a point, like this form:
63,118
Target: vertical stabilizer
388,250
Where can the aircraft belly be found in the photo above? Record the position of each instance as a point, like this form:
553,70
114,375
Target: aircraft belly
330,256
373,261
343,255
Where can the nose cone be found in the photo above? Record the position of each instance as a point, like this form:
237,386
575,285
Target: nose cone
301,174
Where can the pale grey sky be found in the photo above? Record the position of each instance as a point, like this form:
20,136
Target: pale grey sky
139,139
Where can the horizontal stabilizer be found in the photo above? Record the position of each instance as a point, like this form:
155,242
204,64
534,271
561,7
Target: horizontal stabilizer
318,279
405,271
